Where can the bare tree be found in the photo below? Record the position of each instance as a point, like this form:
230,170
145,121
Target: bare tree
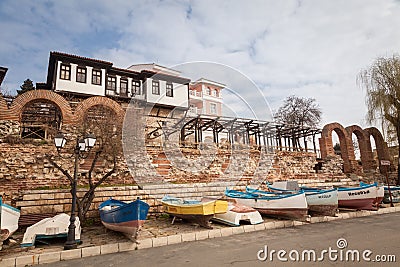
101,122
299,111
382,83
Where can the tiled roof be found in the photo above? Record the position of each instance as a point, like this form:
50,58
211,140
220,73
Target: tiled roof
80,57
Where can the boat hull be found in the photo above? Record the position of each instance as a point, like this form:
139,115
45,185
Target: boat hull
200,212
8,220
238,213
380,194
322,210
123,217
52,227
322,202
287,213
286,206
395,190
360,198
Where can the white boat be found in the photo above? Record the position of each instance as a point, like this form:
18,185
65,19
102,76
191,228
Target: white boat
291,206
361,198
238,213
53,227
9,217
320,201
380,194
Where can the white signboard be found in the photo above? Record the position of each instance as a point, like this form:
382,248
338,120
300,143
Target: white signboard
385,162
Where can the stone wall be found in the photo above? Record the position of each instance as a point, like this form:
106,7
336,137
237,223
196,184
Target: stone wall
25,167
8,127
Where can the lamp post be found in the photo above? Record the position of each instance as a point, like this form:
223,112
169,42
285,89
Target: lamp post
82,145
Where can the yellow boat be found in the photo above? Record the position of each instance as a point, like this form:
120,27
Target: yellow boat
197,211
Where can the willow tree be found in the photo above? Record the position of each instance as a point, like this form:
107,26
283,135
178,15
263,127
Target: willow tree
382,83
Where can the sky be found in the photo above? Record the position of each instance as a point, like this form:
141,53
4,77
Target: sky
310,48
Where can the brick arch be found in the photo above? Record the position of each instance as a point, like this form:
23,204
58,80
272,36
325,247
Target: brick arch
86,104
21,101
364,143
4,112
346,146
381,146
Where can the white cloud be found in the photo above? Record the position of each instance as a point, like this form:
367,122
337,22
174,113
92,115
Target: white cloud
308,48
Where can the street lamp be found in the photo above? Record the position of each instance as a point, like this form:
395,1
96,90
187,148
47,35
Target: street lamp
82,145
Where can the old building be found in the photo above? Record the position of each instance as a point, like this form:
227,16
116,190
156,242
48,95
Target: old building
72,75
205,97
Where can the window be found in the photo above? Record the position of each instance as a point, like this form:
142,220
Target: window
213,108
155,89
214,93
135,88
81,74
208,91
124,87
111,83
170,90
96,77
65,73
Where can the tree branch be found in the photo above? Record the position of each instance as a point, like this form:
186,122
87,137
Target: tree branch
48,157
96,156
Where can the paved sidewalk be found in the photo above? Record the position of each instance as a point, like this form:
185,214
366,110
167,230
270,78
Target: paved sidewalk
156,232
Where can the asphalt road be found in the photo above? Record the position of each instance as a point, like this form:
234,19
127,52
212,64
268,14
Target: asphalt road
378,234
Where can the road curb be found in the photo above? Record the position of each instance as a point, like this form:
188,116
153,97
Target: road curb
35,259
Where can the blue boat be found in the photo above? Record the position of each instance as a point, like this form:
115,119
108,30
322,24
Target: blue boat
395,190
123,217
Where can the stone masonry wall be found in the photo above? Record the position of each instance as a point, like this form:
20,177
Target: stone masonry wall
25,167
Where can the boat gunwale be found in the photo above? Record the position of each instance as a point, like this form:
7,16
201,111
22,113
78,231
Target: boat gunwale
261,197
343,189
124,205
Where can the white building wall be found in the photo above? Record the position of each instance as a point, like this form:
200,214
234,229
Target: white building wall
180,94
77,87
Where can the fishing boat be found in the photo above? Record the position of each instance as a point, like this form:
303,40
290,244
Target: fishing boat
362,198
380,192
198,211
291,206
53,227
395,191
237,214
123,217
9,217
320,201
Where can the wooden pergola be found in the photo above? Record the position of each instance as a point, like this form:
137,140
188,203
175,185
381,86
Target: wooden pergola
238,131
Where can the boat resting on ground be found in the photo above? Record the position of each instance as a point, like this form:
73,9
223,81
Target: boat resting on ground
9,217
198,211
323,202
361,198
380,192
395,191
123,217
238,213
289,206
52,227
